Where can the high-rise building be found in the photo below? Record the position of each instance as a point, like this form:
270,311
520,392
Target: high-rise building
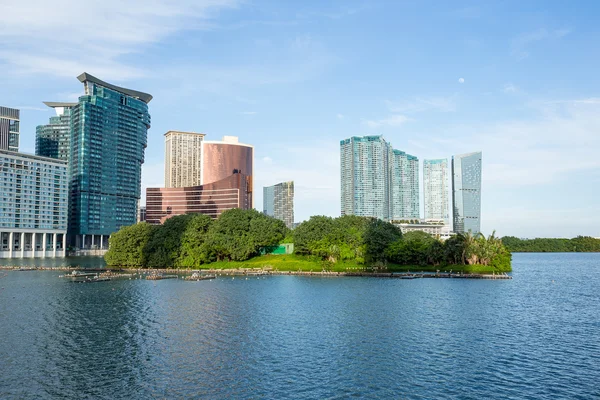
9,129
108,137
405,186
54,139
278,202
466,192
33,206
378,181
435,189
183,159
365,176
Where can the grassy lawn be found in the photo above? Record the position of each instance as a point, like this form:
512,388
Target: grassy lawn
290,262
294,262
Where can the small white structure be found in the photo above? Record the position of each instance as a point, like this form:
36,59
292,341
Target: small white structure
435,227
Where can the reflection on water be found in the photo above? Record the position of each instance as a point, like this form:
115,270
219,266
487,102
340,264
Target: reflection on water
305,337
83,262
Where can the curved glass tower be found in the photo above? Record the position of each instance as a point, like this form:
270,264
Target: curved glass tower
466,192
108,137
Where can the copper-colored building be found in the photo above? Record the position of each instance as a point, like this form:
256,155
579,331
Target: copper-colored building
220,159
226,182
235,191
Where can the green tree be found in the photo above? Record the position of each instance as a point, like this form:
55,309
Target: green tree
163,248
126,247
378,236
192,253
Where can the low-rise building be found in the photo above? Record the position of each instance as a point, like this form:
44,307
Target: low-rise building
435,227
33,206
211,199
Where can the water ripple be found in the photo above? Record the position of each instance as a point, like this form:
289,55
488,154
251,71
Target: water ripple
533,337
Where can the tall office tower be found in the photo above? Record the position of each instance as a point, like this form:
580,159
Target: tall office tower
183,159
405,186
9,129
33,206
278,202
108,137
366,177
54,139
466,192
435,189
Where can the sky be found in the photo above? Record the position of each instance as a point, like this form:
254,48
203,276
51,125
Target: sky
516,80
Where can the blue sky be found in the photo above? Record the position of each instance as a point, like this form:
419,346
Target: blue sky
517,80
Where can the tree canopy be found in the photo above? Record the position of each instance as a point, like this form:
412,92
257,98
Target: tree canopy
544,245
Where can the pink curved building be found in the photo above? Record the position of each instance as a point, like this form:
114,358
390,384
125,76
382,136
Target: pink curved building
226,181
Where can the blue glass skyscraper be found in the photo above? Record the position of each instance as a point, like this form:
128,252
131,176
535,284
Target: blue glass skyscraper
466,192
106,142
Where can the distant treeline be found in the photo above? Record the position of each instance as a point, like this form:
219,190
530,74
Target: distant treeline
548,245
194,240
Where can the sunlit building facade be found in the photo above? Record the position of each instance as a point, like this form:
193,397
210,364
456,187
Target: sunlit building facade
278,202
466,192
211,199
9,129
435,189
226,181
183,159
405,186
378,181
33,206
365,176
108,138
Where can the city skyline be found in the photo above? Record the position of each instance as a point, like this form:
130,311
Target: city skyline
228,68
377,180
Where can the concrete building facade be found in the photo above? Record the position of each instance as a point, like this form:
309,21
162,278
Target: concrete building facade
278,202
33,206
435,189
183,159
378,181
9,129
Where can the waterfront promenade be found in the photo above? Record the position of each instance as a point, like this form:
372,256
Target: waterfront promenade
257,271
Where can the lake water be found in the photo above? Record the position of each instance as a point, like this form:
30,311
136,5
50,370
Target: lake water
533,337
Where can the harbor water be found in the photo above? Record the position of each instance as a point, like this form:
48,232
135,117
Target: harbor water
533,337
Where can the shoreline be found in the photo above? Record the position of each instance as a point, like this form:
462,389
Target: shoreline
263,272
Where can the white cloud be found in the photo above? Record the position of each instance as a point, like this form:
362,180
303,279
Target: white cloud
510,88
267,160
340,116
461,80
248,113
93,35
393,121
520,44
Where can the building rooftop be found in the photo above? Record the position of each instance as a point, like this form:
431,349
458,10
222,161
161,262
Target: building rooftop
145,97
56,104
31,156
184,133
